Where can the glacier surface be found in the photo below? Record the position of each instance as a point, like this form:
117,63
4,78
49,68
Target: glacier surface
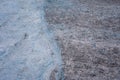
28,50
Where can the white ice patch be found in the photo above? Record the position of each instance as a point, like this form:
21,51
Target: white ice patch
26,45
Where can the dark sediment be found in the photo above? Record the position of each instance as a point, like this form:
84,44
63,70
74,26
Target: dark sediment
88,32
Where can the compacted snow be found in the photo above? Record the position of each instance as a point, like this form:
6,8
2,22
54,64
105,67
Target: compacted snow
28,50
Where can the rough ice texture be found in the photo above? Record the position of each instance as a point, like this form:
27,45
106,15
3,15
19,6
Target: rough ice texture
88,32
28,50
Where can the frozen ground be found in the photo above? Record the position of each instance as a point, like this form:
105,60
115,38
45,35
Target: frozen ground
28,50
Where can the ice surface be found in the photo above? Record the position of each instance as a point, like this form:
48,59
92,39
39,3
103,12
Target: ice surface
28,50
